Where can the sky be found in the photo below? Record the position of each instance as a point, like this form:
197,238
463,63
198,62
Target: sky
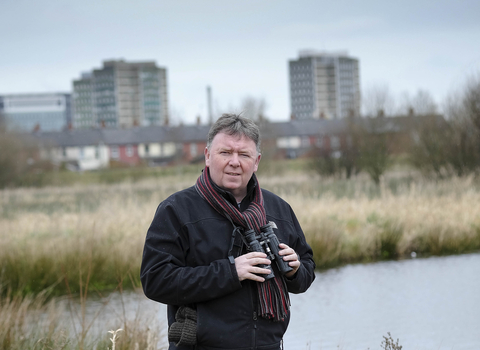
239,48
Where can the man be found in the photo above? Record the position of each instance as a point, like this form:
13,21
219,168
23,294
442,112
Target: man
205,257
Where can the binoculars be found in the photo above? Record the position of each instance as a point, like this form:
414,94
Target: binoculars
267,242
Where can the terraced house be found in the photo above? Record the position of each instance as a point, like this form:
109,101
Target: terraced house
88,149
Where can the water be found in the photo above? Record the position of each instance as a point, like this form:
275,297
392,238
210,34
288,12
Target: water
429,304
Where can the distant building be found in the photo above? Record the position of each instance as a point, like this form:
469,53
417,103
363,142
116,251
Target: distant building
121,94
324,85
44,111
89,149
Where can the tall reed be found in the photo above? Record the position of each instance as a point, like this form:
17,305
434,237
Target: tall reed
32,322
56,236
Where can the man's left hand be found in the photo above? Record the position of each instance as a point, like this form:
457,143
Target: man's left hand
291,257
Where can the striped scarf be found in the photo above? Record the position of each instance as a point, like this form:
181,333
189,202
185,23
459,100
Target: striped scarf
273,294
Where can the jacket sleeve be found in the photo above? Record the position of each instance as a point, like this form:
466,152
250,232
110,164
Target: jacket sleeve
305,275
164,273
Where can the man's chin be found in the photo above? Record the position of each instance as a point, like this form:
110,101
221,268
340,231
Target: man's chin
232,186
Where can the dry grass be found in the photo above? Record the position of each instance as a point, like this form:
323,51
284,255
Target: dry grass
426,218
52,235
88,239
34,323
55,235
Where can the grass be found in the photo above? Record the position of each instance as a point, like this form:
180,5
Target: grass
53,237
34,323
87,238
426,218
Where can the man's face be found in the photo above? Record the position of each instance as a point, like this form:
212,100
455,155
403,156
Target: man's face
232,160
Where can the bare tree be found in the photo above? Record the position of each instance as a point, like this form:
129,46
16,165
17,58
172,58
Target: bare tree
254,108
471,102
20,163
444,149
378,100
463,113
374,157
430,152
422,103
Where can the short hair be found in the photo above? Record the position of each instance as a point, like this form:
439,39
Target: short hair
234,124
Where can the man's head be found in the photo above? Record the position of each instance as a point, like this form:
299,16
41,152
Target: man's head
233,153
233,124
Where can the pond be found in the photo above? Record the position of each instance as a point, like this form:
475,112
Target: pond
431,303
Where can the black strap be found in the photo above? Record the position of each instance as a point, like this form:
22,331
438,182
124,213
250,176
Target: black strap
236,244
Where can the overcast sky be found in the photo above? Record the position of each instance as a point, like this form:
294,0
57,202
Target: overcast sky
239,48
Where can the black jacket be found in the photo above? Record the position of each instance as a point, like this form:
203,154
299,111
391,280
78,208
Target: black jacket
185,263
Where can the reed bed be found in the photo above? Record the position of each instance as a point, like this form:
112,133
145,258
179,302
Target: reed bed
32,322
424,218
54,239
87,240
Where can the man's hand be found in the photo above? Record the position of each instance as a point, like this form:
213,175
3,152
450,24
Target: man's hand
247,268
291,257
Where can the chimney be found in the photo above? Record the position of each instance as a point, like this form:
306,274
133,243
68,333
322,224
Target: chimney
381,113
199,120
292,116
411,112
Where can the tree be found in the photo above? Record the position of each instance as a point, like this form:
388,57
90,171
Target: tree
324,163
378,100
253,108
19,160
463,112
374,155
453,147
422,103
429,153
350,159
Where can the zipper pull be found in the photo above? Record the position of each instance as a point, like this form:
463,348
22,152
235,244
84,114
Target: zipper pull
255,315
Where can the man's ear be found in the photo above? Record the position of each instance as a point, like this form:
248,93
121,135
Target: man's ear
207,157
257,161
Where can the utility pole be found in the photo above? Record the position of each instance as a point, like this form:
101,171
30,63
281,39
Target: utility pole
209,105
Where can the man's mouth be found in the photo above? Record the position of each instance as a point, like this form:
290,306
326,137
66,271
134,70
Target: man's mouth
233,174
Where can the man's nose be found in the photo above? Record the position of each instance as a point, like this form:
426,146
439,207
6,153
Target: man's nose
234,160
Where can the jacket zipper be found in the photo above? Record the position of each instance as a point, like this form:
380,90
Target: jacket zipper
254,316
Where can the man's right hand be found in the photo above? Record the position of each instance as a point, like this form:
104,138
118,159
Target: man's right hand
247,268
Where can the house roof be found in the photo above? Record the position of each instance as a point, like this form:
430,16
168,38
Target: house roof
198,133
71,138
307,127
399,123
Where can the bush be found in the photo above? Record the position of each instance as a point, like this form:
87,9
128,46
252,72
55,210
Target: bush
20,163
452,148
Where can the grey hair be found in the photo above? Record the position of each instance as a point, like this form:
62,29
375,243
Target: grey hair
234,124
